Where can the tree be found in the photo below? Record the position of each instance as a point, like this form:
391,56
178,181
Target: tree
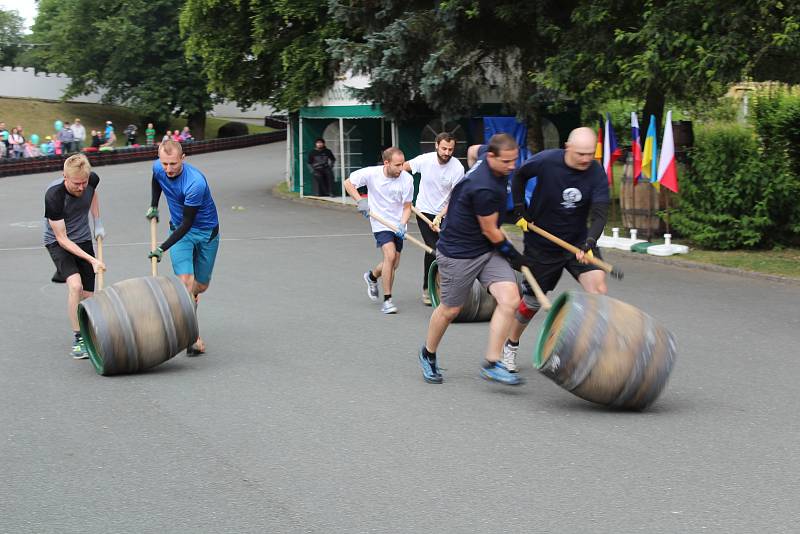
269,51
446,57
131,49
11,37
684,50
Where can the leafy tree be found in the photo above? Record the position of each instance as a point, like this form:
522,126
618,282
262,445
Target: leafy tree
445,57
685,50
262,50
131,49
11,37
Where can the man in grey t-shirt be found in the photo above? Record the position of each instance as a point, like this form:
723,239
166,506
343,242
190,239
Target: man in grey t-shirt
68,236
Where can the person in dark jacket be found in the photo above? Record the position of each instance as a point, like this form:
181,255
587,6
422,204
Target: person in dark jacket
321,160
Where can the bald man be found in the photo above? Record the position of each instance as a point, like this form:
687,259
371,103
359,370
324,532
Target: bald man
569,189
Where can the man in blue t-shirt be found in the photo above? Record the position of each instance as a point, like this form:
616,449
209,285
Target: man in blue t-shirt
472,246
571,188
194,225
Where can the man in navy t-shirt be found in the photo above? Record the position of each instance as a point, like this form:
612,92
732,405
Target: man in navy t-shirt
471,246
194,225
571,188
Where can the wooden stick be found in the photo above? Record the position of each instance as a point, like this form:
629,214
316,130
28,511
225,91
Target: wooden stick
540,296
421,215
607,267
153,232
99,285
393,228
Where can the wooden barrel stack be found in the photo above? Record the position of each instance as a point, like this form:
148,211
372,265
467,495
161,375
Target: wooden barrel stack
605,351
137,324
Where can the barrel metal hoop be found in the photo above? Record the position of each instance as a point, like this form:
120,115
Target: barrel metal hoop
598,334
166,316
640,363
127,329
99,323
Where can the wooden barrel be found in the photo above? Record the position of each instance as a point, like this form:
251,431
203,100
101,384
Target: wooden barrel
605,351
479,306
137,324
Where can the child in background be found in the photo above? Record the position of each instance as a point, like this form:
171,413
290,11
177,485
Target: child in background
150,134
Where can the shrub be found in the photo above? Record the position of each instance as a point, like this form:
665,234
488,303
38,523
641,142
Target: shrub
232,129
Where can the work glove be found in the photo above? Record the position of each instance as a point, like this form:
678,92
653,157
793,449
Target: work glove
589,244
99,231
363,207
513,256
437,221
157,254
152,213
519,217
401,230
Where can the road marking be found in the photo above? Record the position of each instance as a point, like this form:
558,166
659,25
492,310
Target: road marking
256,238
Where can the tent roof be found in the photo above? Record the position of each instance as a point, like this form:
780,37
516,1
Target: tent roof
365,111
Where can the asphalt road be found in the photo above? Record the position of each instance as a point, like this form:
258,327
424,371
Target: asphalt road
309,414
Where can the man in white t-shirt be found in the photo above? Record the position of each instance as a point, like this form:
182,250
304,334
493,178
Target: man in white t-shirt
440,172
390,190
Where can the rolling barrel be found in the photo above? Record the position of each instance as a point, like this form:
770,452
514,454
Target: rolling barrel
479,306
137,324
605,351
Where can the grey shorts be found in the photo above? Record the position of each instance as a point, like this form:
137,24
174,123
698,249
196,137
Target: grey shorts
456,275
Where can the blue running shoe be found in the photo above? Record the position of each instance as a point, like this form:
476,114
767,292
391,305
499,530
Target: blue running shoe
497,372
429,371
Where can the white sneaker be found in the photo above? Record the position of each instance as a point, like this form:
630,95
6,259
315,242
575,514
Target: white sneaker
426,298
372,287
510,357
389,307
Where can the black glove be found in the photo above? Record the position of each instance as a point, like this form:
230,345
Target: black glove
516,259
589,244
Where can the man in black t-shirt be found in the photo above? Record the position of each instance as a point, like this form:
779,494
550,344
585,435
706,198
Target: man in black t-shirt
68,236
570,188
471,246
321,160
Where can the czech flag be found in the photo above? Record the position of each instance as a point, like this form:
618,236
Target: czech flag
649,152
636,148
611,152
667,171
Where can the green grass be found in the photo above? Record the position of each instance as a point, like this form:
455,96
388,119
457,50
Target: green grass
784,262
38,116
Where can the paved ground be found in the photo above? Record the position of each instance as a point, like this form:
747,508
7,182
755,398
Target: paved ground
309,414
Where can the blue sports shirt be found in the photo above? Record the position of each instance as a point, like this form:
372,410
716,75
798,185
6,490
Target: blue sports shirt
189,188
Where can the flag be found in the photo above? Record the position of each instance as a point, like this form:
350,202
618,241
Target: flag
611,152
636,148
649,152
598,150
667,171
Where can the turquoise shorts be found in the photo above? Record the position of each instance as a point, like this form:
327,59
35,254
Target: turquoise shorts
195,254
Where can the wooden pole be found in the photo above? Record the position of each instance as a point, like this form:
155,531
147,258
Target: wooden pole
99,282
153,245
393,228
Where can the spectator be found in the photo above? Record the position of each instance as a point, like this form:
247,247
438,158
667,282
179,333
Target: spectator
31,150
186,135
130,133
109,130
167,136
110,139
2,148
4,137
19,131
150,134
79,133
66,136
176,135
97,139
15,141
48,147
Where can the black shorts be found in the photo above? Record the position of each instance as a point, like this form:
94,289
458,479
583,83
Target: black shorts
547,266
68,264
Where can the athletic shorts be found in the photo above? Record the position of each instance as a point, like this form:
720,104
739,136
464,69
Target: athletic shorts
68,264
456,275
195,254
548,266
385,236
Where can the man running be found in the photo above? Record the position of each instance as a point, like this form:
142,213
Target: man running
571,188
472,246
68,236
194,225
440,172
390,190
